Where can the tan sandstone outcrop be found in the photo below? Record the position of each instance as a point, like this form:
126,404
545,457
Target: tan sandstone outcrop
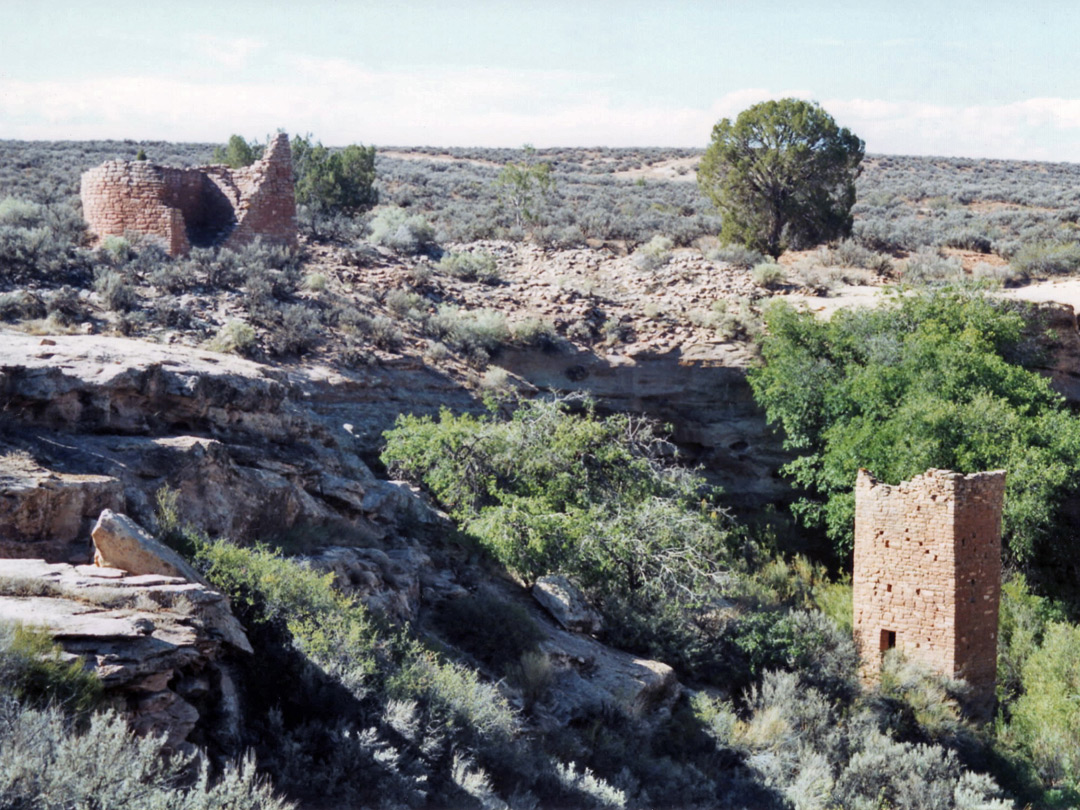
204,206
251,450
120,542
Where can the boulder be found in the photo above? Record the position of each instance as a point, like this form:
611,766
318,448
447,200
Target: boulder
567,605
120,542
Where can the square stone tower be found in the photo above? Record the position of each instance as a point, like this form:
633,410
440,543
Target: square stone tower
927,575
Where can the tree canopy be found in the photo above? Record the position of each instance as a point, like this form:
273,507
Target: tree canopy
238,152
931,380
334,180
782,175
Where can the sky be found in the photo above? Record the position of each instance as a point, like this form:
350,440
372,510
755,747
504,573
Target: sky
951,77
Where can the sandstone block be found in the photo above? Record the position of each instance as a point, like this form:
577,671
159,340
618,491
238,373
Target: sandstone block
120,542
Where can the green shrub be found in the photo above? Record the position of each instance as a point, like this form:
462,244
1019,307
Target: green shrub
1046,259
20,213
235,336
550,491
237,153
929,267
769,275
404,304
535,332
116,292
470,267
397,229
468,330
735,255
46,763
34,671
1046,717
497,632
1022,621
655,254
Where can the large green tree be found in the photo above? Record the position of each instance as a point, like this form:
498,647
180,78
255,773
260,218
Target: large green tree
782,175
930,380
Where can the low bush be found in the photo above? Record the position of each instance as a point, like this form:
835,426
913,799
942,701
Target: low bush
295,332
235,336
469,330
470,267
117,293
655,254
929,267
535,332
1046,259
34,671
769,275
397,229
735,255
47,763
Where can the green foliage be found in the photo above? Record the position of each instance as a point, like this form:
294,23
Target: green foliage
46,764
654,254
1043,259
470,267
1046,717
396,228
497,632
34,671
236,154
549,491
1022,621
524,187
769,275
336,180
234,336
782,175
922,382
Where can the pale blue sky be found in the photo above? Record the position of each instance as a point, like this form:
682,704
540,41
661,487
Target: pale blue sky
978,79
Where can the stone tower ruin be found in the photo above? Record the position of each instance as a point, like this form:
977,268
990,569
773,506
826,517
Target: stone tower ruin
198,207
927,576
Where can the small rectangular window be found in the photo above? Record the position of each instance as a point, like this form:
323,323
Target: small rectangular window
888,640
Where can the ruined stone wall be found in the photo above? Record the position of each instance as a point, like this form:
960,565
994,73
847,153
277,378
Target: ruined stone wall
927,573
204,206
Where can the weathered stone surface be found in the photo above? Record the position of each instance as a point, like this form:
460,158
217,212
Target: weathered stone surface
566,603
392,583
120,542
151,639
48,514
927,573
181,208
245,446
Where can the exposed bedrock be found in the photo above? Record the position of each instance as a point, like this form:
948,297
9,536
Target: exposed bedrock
95,422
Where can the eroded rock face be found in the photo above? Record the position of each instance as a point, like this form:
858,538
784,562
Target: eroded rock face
243,444
392,583
161,645
48,514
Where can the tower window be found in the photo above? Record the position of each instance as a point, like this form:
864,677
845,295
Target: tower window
888,640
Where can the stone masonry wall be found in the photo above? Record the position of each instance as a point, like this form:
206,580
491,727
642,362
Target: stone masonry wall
927,573
204,206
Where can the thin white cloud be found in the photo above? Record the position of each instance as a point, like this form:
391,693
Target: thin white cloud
342,101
